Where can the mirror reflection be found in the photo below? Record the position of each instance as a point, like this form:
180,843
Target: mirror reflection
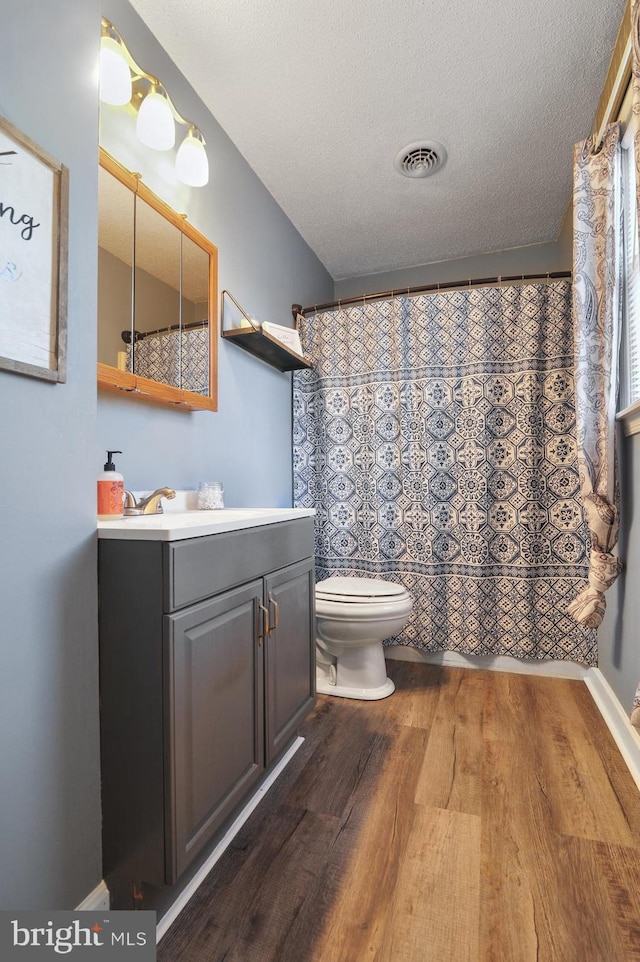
195,301
115,267
154,284
157,316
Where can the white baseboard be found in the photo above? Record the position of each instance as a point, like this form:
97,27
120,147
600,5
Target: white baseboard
452,659
625,735
172,914
96,901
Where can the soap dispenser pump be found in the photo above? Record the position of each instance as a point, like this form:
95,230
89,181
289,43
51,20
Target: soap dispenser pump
110,491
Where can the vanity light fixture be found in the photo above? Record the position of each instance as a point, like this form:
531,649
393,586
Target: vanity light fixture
155,127
192,166
115,76
123,82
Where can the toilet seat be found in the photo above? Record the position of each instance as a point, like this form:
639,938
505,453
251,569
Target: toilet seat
359,591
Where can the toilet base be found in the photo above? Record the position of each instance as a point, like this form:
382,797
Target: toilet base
323,687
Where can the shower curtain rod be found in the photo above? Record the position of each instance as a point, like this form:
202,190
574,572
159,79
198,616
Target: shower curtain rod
297,309
140,335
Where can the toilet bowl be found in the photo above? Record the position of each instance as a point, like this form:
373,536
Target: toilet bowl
353,617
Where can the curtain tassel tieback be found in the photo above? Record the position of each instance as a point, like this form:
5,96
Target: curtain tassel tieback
635,711
589,607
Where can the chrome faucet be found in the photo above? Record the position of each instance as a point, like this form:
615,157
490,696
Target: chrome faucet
149,505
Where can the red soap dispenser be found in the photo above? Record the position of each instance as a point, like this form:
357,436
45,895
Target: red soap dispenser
110,491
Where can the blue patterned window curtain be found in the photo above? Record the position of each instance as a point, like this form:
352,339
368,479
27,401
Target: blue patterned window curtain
435,437
597,305
157,357
635,119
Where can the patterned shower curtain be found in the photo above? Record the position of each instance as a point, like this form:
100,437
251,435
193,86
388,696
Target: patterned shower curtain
435,437
158,356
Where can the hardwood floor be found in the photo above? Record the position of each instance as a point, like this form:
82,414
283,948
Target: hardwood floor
472,817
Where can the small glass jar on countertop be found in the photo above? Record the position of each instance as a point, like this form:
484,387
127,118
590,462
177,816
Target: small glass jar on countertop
210,495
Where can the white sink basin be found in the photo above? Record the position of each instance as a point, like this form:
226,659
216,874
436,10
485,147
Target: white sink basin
177,525
219,516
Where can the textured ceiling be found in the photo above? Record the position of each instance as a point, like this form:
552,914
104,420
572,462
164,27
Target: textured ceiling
319,95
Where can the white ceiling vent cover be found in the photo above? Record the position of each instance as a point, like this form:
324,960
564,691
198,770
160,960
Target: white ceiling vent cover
420,159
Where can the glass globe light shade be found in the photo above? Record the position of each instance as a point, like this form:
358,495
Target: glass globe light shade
115,76
155,126
192,165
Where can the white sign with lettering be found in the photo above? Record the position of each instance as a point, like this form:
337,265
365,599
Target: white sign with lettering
33,212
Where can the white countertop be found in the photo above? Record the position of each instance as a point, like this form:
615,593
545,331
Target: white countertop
178,525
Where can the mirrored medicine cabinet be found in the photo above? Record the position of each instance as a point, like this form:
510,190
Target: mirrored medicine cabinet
157,297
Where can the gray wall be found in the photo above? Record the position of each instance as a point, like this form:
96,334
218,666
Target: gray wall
265,265
535,259
49,752
52,436
618,641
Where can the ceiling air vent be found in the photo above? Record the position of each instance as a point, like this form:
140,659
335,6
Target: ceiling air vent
420,159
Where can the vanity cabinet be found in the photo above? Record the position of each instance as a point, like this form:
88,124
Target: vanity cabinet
207,668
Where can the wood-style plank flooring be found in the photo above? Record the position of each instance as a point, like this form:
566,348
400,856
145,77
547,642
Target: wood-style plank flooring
472,817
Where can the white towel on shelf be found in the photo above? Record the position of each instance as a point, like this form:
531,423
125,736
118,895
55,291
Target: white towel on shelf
286,335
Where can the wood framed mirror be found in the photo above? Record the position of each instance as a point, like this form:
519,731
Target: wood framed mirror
157,297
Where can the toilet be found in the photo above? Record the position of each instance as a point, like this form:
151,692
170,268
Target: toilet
353,617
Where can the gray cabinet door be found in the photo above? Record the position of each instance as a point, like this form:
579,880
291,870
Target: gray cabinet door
214,717
289,653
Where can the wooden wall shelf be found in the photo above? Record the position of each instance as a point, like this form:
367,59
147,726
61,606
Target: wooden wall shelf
267,348
260,343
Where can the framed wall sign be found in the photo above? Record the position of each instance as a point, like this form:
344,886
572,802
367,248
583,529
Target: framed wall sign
34,214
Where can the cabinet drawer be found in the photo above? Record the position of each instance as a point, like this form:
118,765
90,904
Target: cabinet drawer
201,567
